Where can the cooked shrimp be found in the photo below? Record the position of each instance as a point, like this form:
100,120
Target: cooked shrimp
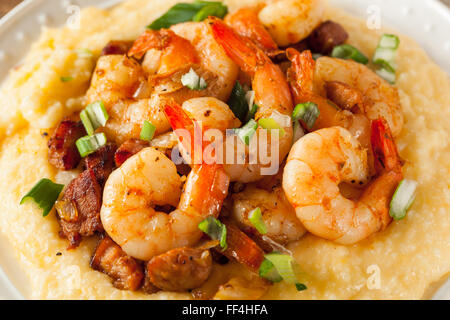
301,75
320,161
176,52
290,21
246,22
130,97
211,112
380,99
168,56
212,58
278,214
272,94
149,179
116,80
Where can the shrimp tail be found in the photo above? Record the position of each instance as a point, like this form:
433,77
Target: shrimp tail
241,50
178,52
383,146
150,39
301,73
207,190
180,123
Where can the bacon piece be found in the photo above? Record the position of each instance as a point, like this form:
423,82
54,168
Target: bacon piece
180,269
128,149
326,36
117,47
85,194
344,96
110,259
102,162
63,153
148,287
242,249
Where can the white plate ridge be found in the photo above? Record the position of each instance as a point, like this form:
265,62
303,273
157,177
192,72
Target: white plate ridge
426,21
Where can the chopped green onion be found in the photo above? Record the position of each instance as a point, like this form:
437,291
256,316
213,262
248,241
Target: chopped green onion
346,51
246,132
90,144
384,57
252,112
238,103
44,194
277,267
300,286
250,98
193,81
271,124
66,79
298,132
182,12
386,75
213,9
255,217
94,117
84,53
403,198
308,112
284,265
215,229
268,271
389,41
148,131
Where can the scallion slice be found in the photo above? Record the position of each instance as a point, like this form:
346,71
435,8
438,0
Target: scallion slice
66,79
215,9
308,112
268,271
284,265
238,102
246,132
195,11
384,57
403,198
298,132
148,131
387,75
193,81
271,124
346,51
255,217
252,112
94,117
44,194
215,229
90,144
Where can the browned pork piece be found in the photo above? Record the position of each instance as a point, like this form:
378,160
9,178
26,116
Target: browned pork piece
110,259
117,47
63,153
128,149
102,162
344,95
180,269
79,208
326,36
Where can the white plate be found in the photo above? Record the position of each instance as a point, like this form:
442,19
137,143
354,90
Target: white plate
427,21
